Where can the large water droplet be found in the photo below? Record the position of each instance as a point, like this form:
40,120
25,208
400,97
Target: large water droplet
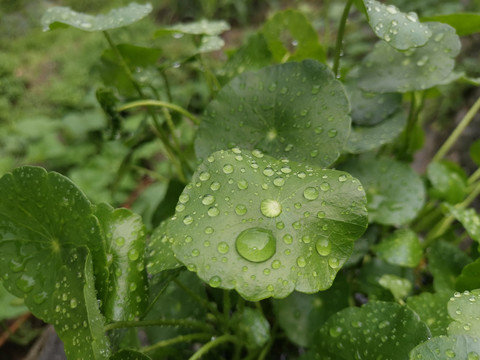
184,198
279,181
242,184
208,199
212,212
323,247
270,208
215,281
73,303
40,297
310,193
204,176
214,186
268,171
133,254
324,186
256,244
187,220
301,262
240,209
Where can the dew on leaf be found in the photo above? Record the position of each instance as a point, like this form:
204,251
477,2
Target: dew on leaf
240,209
310,193
184,198
270,208
212,212
223,247
228,168
287,239
279,181
187,220
208,199
323,247
204,176
215,281
268,171
324,186
301,262
256,244
214,186
242,184
25,283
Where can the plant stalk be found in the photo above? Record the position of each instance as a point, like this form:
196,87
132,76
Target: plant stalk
211,344
340,35
160,322
176,340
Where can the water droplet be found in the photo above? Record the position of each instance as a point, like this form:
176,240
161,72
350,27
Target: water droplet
228,168
120,241
324,186
306,239
392,9
187,220
212,212
333,263
279,181
25,283
438,37
287,239
383,324
310,193
318,130
214,186
280,225
342,178
276,264
195,252
256,244
289,147
40,297
133,254
473,356
208,200
73,303
314,153
335,331
450,353
215,281
332,133
257,153
223,247
204,176
16,265
423,60
323,247
240,209
268,171
184,198
321,214
209,230
301,262
270,208
242,184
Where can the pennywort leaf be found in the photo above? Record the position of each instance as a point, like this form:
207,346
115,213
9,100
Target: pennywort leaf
160,253
432,309
266,227
463,23
469,218
448,180
464,309
448,347
401,31
401,248
297,111
59,16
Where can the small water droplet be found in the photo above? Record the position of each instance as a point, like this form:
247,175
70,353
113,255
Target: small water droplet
332,133
208,199
323,247
279,181
204,176
256,244
73,303
242,184
40,297
342,178
276,264
120,241
473,356
287,239
25,283
133,254
324,186
240,209
268,171
195,252
16,265
214,186
335,331
212,212
228,168
223,247
270,208
301,262
187,220
215,281
209,230
450,353
310,193
184,198
321,214
333,263
318,130
392,9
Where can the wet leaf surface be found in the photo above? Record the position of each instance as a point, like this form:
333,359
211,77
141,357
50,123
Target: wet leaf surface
448,347
401,248
432,309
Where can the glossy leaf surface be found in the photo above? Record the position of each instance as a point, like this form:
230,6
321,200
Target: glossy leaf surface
43,217
160,253
464,309
290,35
400,30
469,278
10,306
432,309
463,23
296,110
266,227
125,243
128,354
448,347
469,218
59,16
395,192
377,330
448,180
388,70
401,248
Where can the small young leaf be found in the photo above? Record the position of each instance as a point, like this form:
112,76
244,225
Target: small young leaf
448,347
469,219
469,277
293,110
160,253
401,248
43,216
290,35
388,70
432,309
59,16
293,228
368,138
449,181
445,262
377,330
299,315
398,286
253,328
395,192
464,309
463,23
401,31
210,43
125,235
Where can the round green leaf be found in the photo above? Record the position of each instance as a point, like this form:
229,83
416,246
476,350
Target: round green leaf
266,227
160,253
432,309
43,218
464,309
299,315
395,192
125,236
447,348
469,218
296,110
401,31
367,138
401,248
59,16
469,277
290,35
253,328
388,70
369,109
377,330
448,180
398,286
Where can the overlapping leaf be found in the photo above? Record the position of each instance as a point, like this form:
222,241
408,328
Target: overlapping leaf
463,23
160,253
401,248
469,278
296,110
290,35
432,309
401,31
377,330
464,309
398,286
59,16
266,227
448,180
448,347
125,243
395,192
469,218
388,70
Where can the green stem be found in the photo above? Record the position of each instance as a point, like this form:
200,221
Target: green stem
167,86
475,176
211,344
176,340
200,300
159,103
159,322
340,35
458,131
